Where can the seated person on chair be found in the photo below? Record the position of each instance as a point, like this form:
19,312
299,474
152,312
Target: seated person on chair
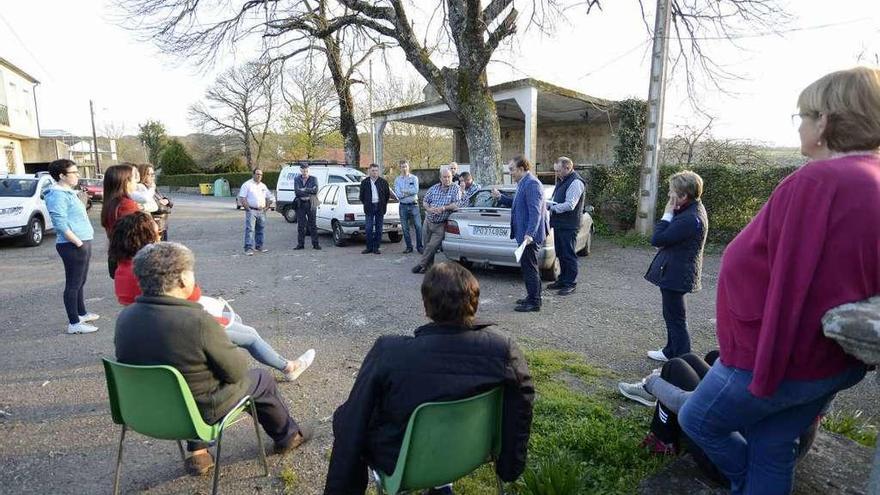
163,327
451,358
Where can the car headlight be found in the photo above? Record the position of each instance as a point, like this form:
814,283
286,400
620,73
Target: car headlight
15,210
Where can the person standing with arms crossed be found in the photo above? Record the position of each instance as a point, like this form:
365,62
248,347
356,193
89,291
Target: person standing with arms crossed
528,224
374,193
306,189
406,187
255,198
440,201
566,213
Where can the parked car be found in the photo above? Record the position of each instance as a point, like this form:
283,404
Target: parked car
326,173
342,214
479,234
94,188
83,196
23,210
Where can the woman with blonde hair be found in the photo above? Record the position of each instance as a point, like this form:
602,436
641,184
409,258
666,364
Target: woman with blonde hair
813,246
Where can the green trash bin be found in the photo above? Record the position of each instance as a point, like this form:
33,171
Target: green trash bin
206,189
221,188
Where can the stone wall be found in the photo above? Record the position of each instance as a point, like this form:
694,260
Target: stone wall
583,143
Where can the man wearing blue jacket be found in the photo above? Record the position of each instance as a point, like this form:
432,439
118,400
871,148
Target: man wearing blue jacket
528,223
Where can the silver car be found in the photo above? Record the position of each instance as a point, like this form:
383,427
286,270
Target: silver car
479,234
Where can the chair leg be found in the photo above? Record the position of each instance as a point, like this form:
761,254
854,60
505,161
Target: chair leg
118,463
259,439
217,463
500,484
182,453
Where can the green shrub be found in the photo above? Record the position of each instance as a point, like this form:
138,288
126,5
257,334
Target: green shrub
235,179
229,164
174,159
733,195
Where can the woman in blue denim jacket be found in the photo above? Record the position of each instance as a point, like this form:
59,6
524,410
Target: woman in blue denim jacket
74,235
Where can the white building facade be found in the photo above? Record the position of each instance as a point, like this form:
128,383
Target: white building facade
18,115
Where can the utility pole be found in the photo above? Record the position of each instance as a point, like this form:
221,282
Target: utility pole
376,159
650,172
95,138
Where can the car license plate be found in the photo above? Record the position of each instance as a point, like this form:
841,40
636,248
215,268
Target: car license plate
492,231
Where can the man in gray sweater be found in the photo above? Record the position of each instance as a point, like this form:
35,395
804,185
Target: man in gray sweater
163,327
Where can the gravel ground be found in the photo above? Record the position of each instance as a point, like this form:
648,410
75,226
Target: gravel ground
56,435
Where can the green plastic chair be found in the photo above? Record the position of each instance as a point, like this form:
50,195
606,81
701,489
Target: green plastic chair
445,441
156,401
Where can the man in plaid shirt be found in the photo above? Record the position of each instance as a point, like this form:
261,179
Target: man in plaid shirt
440,201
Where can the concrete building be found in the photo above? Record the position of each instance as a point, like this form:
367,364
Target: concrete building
18,116
537,119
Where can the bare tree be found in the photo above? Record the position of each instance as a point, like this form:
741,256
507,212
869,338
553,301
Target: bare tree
311,102
680,148
240,103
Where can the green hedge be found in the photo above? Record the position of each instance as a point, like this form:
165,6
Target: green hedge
732,195
235,179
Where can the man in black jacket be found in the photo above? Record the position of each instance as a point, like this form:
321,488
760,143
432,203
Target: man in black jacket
305,188
448,359
374,194
163,327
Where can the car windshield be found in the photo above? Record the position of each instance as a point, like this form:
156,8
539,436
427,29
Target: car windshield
355,177
484,199
18,188
353,193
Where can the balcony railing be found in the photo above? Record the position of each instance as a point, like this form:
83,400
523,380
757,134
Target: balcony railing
4,115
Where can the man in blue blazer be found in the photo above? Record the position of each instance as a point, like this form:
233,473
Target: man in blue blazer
528,223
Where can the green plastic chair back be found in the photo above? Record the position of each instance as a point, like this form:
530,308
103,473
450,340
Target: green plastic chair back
155,401
445,441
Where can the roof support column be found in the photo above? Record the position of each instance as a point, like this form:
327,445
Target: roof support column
379,142
527,99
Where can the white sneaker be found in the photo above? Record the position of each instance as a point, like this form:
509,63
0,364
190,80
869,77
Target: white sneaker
658,355
636,391
81,328
88,317
303,362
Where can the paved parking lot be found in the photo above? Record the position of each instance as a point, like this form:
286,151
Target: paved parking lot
56,435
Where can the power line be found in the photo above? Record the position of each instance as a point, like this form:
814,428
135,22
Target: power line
778,32
617,58
24,45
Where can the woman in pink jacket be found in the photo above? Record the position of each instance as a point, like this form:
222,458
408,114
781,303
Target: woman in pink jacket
813,246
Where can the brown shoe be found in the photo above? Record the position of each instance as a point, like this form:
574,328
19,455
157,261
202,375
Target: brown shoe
199,464
303,436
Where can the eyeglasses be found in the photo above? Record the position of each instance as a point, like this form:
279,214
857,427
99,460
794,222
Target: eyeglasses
797,118
69,172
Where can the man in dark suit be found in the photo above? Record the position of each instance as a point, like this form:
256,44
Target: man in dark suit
528,224
452,357
163,327
374,195
305,187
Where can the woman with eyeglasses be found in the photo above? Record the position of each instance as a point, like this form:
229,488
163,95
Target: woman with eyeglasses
158,204
74,234
813,246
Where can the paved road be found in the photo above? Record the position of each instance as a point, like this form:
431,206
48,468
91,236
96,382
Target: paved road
55,431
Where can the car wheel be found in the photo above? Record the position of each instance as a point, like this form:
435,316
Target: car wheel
289,214
89,205
339,237
395,236
552,273
34,234
465,263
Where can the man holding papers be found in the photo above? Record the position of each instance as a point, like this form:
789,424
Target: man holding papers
528,225
566,212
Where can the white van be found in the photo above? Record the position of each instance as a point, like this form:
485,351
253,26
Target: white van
325,173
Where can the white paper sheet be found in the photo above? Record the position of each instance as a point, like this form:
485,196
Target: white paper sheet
519,251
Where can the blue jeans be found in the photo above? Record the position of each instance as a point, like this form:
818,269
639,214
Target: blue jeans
564,245
247,338
753,440
374,229
678,340
254,222
409,214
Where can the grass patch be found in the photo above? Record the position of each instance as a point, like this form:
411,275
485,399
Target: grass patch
633,239
582,442
852,426
289,480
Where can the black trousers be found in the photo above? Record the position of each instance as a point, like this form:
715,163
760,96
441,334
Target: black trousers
272,413
564,244
531,275
678,340
305,213
76,271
